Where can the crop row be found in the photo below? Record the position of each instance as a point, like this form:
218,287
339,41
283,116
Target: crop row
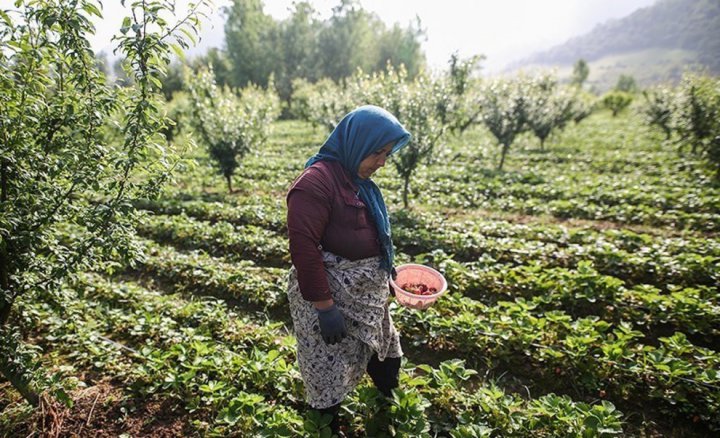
606,190
600,357
240,242
504,331
635,258
585,291
580,290
233,376
199,273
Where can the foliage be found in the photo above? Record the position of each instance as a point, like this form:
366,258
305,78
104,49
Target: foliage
691,110
56,169
658,109
459,108
587,274
230,125
549,108
698,110
504,106
583,105
581,71
305,47
627,84
251,37
616,101
420,104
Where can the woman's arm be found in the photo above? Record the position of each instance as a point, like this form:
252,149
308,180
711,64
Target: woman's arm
309,208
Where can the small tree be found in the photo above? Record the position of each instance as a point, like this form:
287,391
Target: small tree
581,71
583,105
228,124
415,103
422,121
504,112
549,107
459,109
658,109
617,101
627,84
56,170
698,110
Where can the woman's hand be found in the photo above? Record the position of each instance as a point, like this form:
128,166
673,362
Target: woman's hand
332,324
393,275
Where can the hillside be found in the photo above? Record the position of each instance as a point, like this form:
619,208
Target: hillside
646,41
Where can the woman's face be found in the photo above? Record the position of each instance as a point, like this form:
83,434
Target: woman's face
374,161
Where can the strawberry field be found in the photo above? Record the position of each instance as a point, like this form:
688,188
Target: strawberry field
583,299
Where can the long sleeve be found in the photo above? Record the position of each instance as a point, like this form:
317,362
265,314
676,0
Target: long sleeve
309,208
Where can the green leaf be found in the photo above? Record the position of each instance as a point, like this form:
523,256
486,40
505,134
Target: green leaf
92,9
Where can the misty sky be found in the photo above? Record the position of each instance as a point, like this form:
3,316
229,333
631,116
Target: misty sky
504,31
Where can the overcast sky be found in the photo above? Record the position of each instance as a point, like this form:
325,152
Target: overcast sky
502,30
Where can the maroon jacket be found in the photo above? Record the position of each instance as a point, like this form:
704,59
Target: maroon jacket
325,213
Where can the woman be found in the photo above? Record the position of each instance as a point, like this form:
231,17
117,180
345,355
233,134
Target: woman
342,257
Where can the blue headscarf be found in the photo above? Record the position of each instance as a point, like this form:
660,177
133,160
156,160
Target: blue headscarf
360,133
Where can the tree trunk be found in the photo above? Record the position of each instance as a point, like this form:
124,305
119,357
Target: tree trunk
21,385
5,311
502,157
6,301
542,144
18,382
228,178
406,188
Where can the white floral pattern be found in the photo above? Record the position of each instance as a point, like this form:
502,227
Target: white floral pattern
360,290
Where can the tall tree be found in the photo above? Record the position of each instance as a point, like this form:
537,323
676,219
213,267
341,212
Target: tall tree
251,37
299,35
348,41
400,45
581,71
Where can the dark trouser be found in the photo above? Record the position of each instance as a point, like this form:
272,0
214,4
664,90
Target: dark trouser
384,375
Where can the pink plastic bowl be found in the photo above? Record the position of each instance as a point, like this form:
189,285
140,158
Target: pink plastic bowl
412,273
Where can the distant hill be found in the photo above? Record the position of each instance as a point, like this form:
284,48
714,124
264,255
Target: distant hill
654,44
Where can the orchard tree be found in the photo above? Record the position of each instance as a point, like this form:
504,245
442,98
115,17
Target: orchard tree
415,102
658,109
584,104
549,108
697,110
617,101
504,107
414,108
57,172
230,125
459,109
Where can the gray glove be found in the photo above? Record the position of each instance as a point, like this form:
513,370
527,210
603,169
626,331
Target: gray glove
332,325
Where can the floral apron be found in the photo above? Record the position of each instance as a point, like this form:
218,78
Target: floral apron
360,290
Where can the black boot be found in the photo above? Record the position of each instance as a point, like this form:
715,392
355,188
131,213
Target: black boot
384,374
